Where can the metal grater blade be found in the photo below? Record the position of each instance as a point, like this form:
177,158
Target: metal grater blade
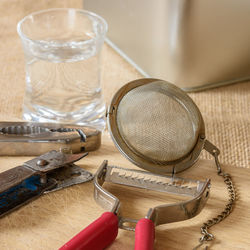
146,180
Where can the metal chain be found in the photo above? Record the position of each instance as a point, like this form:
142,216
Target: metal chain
206,236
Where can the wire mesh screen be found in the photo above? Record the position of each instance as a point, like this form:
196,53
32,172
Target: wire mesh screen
156,124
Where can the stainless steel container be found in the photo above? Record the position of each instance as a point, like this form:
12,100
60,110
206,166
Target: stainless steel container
195,44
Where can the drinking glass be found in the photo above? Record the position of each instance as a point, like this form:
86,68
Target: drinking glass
62,56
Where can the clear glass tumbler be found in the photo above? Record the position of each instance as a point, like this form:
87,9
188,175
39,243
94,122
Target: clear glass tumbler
62,53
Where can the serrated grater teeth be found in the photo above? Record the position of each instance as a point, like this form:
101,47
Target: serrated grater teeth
142,179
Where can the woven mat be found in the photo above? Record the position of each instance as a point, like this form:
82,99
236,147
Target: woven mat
225,110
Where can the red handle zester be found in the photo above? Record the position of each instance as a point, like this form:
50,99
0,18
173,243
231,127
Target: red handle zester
144,235
98,235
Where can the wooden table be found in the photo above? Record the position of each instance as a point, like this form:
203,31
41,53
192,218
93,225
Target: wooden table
54,218
51,220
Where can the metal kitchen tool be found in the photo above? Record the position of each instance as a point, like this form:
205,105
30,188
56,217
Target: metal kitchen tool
46,173
103,231
156,126
31,138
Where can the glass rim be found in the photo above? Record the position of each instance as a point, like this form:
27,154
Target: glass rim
85,12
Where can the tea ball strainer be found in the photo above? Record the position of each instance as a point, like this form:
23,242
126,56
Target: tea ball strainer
157,126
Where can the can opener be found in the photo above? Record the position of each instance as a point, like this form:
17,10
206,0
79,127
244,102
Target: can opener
47,173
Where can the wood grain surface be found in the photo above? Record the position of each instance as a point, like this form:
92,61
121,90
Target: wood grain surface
51,220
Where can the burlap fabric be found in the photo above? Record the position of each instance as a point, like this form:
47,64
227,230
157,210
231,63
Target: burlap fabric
225,110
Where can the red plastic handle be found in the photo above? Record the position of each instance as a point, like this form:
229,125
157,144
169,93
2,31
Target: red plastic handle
144,235
98,235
